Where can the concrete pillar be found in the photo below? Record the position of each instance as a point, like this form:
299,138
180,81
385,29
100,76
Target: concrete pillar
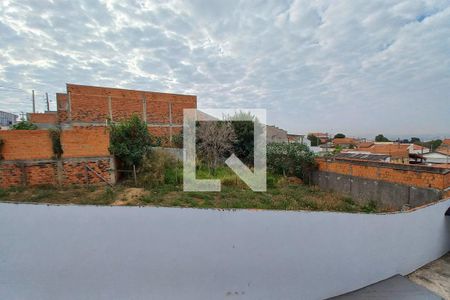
59,172
110,109
113,170
144,108
69,106
170,122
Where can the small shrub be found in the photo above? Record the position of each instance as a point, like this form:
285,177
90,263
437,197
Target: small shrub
106,197
290,159
230,181
271,181
24,125
177,140
55,135
3,193
130,141
370,207
158,167
173,175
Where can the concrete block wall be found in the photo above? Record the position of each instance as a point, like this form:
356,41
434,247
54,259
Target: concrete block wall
413,175
390,185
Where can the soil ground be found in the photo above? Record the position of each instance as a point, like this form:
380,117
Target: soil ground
286,197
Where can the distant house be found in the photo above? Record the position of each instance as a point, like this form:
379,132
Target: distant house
360,155
398,153
323,137
417,149
298,138
276,135
7,119
440,156
364,145
345,142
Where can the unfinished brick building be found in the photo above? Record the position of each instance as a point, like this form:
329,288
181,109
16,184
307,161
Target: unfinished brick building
27,157
94,106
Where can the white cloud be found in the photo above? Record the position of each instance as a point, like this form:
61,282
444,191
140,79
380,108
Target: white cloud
361,67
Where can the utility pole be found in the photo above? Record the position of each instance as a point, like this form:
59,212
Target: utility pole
48,103
32,98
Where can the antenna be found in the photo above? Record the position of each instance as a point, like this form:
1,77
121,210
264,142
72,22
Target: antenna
34,104
48,103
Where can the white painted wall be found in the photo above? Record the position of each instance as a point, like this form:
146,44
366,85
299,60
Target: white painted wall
87,252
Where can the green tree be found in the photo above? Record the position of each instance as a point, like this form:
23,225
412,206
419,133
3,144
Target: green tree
243,146
415,140
130,141
339,136
337,149
381,138
433,144
315,141
24,125
290,159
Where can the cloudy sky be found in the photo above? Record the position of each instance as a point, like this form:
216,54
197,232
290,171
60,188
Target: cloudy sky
357,66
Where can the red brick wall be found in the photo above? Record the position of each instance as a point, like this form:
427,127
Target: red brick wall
91,104
396,173
61,106
41,173
85,142
75,172
43,118
10,175
46,172
26,144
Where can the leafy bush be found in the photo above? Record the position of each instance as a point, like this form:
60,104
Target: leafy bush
130,141
290,159
55,135
271,181
24,125
177,140
3,193
370,207
244,130
159,167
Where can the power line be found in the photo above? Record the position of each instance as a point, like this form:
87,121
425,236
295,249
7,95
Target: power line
13,88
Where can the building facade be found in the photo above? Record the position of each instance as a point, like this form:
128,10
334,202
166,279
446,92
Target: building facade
7,119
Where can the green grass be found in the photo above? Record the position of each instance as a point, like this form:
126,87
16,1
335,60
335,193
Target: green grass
280,195
3,193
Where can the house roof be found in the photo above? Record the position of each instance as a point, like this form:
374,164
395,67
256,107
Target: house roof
443,150
418,147
393,150
362,156
365,144
294,137
446,142
343,141
319,134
